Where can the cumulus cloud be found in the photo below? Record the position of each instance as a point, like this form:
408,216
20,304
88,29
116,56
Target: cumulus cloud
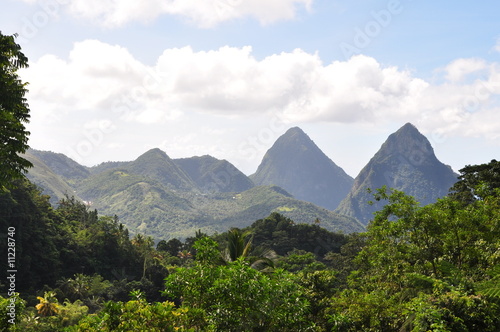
294,86
497,46
205,14
460,68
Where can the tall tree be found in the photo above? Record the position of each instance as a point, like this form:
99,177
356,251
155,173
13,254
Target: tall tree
476,182
14,112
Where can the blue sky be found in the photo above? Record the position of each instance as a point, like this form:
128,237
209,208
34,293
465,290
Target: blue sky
110,79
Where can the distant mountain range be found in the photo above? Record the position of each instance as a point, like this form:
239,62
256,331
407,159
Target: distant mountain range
166,198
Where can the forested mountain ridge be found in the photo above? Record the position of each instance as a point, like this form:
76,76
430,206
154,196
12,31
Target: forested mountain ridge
405,161
157,195
165,198
297,164
213,175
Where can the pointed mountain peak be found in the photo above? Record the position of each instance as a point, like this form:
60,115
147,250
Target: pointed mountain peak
406,161
294,139
154,153
295,133
157,165
407,141
408,127
297,164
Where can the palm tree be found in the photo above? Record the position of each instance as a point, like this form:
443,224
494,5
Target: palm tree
48,305
145,246
239,246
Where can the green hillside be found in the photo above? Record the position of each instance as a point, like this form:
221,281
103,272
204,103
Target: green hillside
149,207
166,198
214,175
157,165
54,185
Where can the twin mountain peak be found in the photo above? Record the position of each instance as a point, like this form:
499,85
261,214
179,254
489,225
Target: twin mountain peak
406,161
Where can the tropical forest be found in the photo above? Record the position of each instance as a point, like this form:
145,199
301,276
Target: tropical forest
384,253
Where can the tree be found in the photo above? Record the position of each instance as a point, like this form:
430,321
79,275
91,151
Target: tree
144,244
236,297
48,305
239,246
14,112
425,268
476,181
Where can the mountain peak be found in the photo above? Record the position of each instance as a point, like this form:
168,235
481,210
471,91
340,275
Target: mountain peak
406,161
157,165
294,131
408,127
297,164
408,142
214,175
154,152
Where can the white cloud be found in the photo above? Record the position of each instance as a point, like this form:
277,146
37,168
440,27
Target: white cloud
108,82
205,14
460,68
497,46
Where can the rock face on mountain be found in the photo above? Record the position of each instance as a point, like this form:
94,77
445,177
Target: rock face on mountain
213,175
297,165
406,161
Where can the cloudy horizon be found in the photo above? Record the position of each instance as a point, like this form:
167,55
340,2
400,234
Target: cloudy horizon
110,79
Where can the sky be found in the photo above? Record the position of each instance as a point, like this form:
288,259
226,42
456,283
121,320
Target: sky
110,79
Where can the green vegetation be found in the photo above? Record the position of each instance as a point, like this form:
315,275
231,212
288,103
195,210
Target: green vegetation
416,268
14,112
197,195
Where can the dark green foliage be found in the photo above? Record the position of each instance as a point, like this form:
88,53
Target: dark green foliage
296,164
236,297
282,235
476,182
56,243
425,268
36,236
14,112
172,246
